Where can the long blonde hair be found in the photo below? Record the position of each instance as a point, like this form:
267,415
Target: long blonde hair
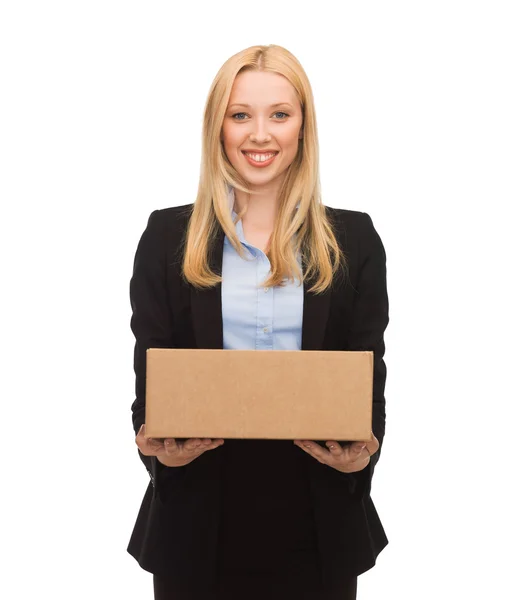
307,229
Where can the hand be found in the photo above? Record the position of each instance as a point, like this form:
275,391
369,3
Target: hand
349,458
171,452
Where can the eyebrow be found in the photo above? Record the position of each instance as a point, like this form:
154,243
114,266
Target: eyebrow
271,106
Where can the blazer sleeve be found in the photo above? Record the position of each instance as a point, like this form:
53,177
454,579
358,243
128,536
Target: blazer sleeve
151,320
367,326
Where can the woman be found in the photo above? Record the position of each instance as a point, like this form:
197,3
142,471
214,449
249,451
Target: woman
259,518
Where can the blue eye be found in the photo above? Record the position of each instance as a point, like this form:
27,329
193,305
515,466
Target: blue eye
236,115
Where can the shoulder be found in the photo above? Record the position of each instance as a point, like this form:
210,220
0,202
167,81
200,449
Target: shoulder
351,222
356,231
349,217
171,221
164,231
172,214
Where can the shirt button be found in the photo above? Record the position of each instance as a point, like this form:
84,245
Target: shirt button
266,289
265,330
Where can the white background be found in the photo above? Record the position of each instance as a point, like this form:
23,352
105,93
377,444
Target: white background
101,109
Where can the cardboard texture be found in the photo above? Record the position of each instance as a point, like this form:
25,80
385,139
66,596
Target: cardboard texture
253,394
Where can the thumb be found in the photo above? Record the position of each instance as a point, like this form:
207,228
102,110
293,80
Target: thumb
356,449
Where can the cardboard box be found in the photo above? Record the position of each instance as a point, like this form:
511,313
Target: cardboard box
269,394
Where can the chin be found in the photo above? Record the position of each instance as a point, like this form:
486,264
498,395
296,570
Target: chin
257,178
257,181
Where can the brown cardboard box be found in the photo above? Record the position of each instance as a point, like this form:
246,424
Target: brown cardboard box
273,394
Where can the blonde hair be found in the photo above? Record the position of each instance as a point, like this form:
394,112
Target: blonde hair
307,229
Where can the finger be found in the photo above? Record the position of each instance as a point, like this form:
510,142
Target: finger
316,451
356,450
171,446
372,445
335,448
153,444
153,440
215,443
357,465
192,444
141,433
148,446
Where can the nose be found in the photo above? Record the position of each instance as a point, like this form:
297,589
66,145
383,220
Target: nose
260,135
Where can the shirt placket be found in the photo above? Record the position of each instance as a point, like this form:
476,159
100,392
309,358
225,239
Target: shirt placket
264,334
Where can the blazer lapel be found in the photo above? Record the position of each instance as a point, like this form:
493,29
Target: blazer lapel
207,320
315,316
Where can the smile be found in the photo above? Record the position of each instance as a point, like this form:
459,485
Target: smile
260,159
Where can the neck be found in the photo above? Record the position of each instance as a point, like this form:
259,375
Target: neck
262,205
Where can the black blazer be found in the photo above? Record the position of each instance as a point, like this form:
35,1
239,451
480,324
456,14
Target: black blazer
176,528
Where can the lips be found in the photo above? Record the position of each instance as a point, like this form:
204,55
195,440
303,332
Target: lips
261,162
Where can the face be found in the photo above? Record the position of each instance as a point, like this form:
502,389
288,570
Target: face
262,127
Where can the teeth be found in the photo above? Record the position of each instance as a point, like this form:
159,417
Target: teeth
260,157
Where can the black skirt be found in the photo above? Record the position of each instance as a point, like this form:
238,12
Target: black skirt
267,537
267,546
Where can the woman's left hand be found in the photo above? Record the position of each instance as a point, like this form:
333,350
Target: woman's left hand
347,458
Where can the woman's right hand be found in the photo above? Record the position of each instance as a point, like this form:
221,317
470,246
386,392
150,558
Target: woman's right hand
174,453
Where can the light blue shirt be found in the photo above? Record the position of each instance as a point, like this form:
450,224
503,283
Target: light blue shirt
255,317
